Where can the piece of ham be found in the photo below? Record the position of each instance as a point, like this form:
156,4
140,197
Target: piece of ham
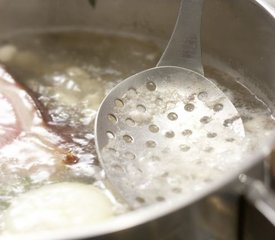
18,112
28,145
22,114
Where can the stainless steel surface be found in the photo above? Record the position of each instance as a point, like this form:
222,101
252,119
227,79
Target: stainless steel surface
261,197
254,225
148,115
257,212
184,46
135,145
239,33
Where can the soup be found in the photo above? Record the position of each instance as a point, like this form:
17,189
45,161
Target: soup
68,73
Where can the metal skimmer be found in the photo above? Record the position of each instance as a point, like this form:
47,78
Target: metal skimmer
160,132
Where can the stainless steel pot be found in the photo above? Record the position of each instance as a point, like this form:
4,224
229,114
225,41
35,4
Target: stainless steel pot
240,33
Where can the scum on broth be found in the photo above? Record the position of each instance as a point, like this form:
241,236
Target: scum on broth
71,72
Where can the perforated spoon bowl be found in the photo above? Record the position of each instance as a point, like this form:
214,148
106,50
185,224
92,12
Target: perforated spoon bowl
160,121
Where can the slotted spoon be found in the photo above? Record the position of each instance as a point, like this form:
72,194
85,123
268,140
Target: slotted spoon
157,132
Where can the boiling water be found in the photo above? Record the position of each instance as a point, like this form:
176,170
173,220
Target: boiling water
71,72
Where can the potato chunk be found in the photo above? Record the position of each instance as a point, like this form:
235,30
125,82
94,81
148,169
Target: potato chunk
56,206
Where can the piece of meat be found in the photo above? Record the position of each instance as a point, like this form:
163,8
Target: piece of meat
17,112
9,125
22,114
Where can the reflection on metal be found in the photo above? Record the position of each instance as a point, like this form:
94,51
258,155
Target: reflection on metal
261,197
271,165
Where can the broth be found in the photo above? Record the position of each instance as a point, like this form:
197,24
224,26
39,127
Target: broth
70,72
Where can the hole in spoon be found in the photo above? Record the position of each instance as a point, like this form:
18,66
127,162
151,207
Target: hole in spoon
218,107
172,116
187,132
132,92
209,149
127,138
202,96
141,108
110,135
205,119
129,156
119,103
112,118
151,144
169,134
184,148
176,190
189,107
160,199
153,128
230,139
140,200
130,122
211,135
151,86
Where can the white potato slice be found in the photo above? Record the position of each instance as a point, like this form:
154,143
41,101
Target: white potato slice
56,206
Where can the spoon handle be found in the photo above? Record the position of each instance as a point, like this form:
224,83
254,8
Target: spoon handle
184,47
